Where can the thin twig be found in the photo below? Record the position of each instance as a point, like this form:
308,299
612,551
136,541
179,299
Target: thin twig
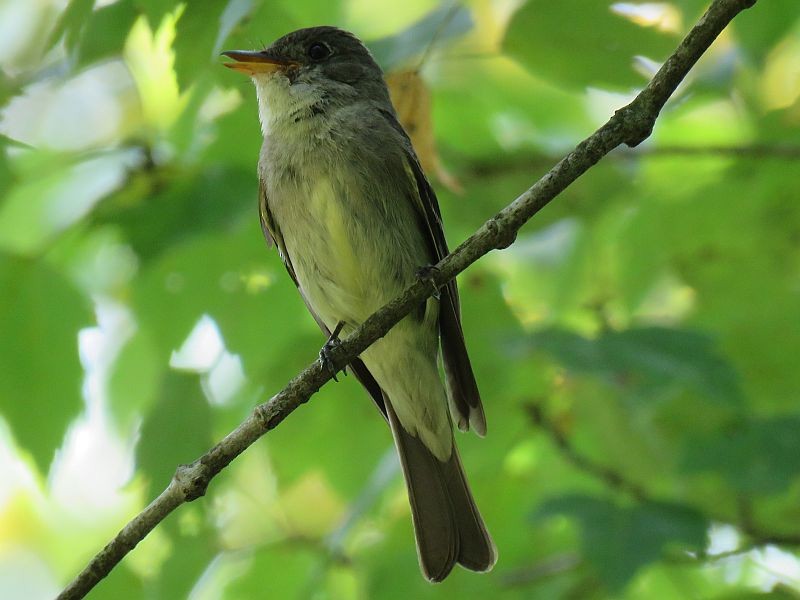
547,568
613,479
448,17
759,537
630,125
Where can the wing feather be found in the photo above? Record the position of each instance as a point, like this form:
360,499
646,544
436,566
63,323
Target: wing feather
465,400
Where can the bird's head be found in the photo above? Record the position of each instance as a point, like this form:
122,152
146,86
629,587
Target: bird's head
309,70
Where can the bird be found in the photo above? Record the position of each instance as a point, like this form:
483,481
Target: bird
343,198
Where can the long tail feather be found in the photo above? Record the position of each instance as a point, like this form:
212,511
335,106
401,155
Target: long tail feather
447,524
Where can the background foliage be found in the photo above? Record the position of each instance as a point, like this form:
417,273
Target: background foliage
637,347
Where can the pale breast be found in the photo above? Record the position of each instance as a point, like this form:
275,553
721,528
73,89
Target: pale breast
351,255
345,210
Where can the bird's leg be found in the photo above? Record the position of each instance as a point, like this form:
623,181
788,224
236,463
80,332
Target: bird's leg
427,274
325,352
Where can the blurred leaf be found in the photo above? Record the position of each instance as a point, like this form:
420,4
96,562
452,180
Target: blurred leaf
235,12
756,456
448,21
135,378
6,176
621,540
576,43
734,260
190,204
199,34
40,374
106,30
238,282
155,10
177,430
296,566
310,507
71,23
652,360
194,546
45,202
122,584
331,419
239,139
759,31
779,592
271,20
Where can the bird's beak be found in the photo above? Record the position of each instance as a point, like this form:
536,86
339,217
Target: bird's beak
253,63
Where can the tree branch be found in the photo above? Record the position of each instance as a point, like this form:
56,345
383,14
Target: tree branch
630,125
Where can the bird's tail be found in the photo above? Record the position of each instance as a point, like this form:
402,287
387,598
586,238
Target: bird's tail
447,524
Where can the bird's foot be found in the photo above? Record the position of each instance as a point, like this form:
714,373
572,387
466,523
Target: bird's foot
427,274
325,352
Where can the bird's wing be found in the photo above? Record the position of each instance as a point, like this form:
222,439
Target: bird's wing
465,398
274,238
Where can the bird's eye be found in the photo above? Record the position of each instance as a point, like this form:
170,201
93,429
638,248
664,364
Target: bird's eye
318,51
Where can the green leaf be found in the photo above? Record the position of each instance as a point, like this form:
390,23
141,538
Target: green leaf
194,545
155,10
241,284
755,456
40,373
729,243
43,204
620,540
651,360
297,565
121,584
177,430
135,378
196,40
331,417
70,24
576,43
191,204
780,591
6,176
235,12
106,30
759,31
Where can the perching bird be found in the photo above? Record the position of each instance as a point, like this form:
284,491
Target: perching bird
344,200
